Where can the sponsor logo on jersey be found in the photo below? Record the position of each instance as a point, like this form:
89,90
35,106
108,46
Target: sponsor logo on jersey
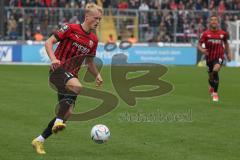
64,28
81,48
76,36
215,40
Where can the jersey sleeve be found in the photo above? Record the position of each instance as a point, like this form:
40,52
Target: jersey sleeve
202,38
63,32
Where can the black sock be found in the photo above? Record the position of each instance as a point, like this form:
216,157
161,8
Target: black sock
211,82
48,131
210,79
216,81
65,102
63,108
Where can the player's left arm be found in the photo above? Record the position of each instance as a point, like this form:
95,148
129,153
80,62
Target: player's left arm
94,71
228,49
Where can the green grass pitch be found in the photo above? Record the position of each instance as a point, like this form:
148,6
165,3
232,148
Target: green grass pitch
213,133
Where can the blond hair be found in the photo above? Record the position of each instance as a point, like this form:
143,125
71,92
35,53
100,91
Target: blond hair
90,7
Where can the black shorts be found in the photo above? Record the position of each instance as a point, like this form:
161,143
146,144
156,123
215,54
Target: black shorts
211,64
59,78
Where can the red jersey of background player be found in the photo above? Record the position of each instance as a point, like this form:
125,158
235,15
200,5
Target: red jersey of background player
214,43
75,44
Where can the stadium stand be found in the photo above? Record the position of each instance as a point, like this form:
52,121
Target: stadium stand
149,21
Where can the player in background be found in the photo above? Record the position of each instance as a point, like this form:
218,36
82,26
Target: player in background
213,43
77,43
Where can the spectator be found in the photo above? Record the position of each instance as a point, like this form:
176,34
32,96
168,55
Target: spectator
132,39
212,5
106,3
47,3
12,27
123,5
133,4
144,6
28,34
119,39
39,3
181,6
38,36
110,39
221,7
173,5
238,6
74,20
198,5
169,20
155,19
164,4
54,3
13,3
153,5
149,35
61,3
190,5
28,3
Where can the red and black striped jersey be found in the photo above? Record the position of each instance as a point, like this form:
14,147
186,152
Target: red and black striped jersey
74,46
214,43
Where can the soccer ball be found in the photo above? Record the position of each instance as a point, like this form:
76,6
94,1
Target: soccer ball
100,133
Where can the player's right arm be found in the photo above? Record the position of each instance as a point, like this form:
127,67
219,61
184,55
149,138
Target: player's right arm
200,43
59,35
94,71
55,63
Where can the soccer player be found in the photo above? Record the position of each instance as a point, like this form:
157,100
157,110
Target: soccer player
216,43
77,43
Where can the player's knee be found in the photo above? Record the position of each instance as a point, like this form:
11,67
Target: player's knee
76,89
217,68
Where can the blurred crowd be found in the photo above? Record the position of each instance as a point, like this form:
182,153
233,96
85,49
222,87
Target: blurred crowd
180,26
220,5
159,20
